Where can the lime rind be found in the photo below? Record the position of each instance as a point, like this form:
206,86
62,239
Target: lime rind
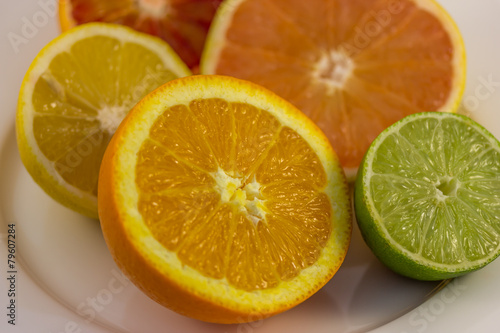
427,196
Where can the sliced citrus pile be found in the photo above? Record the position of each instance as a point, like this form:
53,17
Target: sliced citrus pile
74,95
354,67
427,196
182,24
241,214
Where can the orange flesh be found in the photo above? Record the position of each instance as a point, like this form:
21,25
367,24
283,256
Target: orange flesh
235,194
354,67
182,24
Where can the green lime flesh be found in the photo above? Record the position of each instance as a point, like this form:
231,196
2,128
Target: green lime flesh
427,196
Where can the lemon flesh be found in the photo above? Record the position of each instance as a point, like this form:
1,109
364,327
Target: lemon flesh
73,97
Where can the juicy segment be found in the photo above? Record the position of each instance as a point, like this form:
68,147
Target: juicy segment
451,178
235,194
79,102
342,62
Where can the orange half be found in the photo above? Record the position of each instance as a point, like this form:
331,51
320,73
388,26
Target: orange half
354,67
222,201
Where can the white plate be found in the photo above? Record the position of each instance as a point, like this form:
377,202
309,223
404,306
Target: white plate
66,281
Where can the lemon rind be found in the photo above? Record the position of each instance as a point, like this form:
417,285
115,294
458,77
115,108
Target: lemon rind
40,168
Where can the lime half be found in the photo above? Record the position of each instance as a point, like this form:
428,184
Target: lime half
427,196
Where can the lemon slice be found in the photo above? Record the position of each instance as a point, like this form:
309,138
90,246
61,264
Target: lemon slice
73,97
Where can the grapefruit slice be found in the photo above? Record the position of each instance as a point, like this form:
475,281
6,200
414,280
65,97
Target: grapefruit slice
182,23
353,67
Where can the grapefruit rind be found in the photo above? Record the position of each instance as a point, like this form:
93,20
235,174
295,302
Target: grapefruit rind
222,21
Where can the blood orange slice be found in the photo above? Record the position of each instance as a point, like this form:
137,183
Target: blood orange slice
182,23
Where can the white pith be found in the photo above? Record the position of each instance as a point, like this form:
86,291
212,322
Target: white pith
246,197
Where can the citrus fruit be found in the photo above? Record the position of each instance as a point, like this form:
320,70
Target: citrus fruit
73,96
427,197
182,24
222,201
353,67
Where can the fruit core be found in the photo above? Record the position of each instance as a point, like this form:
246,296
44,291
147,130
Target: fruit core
245,194
111,116
153,8
447,187
334,69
